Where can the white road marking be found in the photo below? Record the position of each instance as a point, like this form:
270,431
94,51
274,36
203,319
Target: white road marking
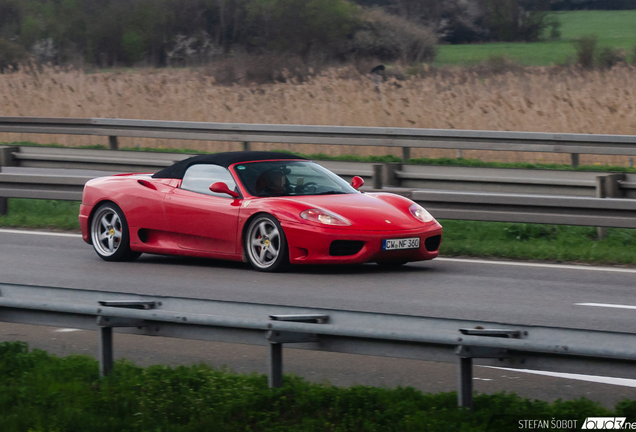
625,382
45,233
606,305
527,264
459,260
66,330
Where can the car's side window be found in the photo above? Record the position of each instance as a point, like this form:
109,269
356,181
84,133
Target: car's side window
199,178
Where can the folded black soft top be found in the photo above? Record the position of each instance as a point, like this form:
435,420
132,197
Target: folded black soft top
177,171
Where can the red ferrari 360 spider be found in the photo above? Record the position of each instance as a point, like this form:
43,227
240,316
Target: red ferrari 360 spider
263,207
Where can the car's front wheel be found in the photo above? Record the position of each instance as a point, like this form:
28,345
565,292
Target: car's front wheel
109,234
265,244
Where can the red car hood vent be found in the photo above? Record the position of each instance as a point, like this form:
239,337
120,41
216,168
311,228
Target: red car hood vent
366,212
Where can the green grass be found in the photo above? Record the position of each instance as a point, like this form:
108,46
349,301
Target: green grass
614,29
41,393
466,238
32,213
538,242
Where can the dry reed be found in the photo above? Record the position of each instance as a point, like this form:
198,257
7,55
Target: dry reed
538,99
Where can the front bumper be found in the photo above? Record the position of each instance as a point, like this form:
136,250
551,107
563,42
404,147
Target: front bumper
310,244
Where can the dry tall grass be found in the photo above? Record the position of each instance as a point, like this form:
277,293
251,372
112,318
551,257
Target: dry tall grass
541,99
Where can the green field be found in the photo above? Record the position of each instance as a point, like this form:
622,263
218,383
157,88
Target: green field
616,29
45,393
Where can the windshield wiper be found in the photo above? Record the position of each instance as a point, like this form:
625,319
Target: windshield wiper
333,192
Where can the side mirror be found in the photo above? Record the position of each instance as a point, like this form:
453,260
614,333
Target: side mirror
220,187
357,182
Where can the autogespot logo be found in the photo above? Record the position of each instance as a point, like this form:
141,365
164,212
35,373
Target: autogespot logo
607,423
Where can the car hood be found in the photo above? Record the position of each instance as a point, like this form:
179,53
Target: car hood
372,212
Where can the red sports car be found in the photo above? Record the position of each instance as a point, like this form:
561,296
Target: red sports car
263,207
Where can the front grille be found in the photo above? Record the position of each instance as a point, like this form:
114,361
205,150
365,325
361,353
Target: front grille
432,243
345,247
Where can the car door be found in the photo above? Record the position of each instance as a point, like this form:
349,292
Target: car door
204,220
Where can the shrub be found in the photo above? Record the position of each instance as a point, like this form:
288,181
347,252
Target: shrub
516,20
302,26
610,57
585,47
11,54
133,46
389,37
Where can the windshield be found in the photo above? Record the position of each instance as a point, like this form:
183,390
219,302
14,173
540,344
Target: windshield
290,178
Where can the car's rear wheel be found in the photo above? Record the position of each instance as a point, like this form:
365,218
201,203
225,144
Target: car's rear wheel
265,244
109,234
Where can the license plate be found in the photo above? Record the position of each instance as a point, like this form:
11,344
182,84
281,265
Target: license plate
399,244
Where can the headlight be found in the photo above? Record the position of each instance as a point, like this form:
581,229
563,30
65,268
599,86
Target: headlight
419,213
324,217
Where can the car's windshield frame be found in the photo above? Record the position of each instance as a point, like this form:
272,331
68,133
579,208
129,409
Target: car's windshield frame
294,178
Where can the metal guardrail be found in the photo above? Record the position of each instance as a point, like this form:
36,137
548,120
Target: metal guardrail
333,330
405,138
505,180
495,207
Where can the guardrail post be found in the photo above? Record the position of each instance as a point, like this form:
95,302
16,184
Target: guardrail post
112,142
377,176
106,325
277,338
406,154
4,203
105,351
6,155
390,174
465,381
608,186
247,146
575,160
468,353
275,379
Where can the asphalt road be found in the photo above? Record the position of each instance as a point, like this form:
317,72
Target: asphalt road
519,293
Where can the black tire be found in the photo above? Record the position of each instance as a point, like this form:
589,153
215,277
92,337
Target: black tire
265,244
109,234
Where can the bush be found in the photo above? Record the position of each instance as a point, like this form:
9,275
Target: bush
301,27
389,38
133,46
517,20
610,57
585,47
11,54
